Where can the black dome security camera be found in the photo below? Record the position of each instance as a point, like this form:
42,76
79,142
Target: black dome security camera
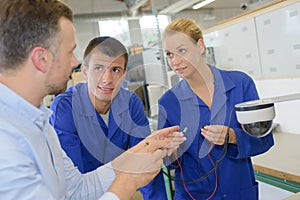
244,5
258,129
256,117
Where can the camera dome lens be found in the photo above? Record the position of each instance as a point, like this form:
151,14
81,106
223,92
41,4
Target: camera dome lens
258,129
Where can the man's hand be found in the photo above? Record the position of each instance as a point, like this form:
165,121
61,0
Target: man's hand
167,139
147,155
140,164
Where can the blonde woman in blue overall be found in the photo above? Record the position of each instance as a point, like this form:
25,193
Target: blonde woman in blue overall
215,161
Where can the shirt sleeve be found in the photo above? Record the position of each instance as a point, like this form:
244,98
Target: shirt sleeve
19,179
109,196
27,172
247,145
91,185
106,175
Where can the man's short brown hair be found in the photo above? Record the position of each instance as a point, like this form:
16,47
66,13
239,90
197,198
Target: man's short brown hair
26,24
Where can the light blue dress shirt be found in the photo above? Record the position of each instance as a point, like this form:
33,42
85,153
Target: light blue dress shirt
32,163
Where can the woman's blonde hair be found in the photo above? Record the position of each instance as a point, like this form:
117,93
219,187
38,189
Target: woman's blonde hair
186,26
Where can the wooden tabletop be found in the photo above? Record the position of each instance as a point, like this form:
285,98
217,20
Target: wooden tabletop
293,197
283,159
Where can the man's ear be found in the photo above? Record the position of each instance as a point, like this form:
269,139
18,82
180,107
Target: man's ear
40,58
84,69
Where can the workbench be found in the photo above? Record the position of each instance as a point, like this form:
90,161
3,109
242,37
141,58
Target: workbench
280,166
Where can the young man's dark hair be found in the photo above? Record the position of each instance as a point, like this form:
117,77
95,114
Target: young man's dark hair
108,46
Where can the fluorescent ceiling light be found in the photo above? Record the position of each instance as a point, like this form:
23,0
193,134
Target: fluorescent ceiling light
201,4
178,6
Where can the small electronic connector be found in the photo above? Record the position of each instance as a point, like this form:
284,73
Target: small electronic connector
185,129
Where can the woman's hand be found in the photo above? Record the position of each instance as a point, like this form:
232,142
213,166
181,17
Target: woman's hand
216,134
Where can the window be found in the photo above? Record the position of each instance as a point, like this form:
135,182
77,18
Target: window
115,28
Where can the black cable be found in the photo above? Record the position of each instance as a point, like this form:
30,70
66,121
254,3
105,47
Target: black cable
217,162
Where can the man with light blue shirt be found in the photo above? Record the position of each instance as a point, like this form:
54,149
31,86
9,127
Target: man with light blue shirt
37,40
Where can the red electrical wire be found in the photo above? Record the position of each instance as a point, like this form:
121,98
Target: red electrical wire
216,175
183,182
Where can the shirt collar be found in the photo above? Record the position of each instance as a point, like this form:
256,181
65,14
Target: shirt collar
81,97
222,85
38,116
